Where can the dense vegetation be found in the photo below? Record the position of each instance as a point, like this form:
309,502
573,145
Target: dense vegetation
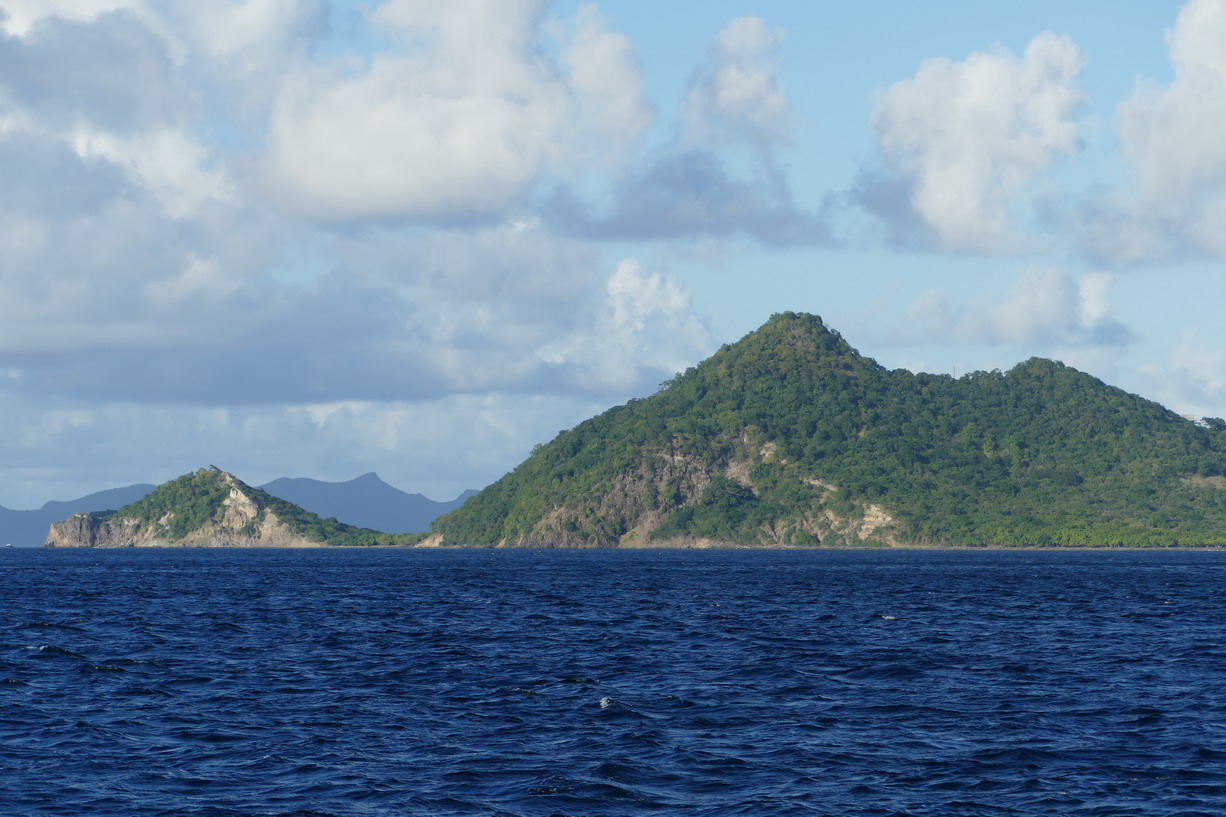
791,430
191,501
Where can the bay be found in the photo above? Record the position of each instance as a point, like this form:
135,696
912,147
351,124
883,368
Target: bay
413,682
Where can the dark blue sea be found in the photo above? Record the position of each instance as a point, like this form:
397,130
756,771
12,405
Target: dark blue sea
500,683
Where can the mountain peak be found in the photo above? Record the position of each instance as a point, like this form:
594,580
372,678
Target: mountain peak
799,327
796,335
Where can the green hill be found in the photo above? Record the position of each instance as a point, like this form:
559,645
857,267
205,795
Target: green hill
790,437
211,508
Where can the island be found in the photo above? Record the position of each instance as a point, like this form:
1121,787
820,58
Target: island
213,508
791,438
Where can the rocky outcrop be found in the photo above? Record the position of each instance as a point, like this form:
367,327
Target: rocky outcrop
86,531
83,530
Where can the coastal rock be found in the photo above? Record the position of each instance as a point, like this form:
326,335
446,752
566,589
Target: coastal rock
83,530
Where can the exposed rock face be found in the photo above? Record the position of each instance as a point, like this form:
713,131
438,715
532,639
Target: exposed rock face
82,530
235,519
636,503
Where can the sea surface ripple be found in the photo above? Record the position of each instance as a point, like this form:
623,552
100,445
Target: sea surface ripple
506,683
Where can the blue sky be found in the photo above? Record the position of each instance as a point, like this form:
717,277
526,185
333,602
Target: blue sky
310,238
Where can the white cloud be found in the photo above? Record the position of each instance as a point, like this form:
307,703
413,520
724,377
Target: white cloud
735,91
606,83
117,120
1045,308
1095,291
238,53
238,32
1176,137
17,17
644,327
1177,134
513,309
971,135
458,122
452,130
718,178
171,163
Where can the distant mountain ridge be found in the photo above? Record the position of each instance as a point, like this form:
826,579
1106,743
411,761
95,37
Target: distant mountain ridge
366,502
790,437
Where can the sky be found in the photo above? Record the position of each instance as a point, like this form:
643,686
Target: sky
319,238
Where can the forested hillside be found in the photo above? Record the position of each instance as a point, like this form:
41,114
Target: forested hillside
791,437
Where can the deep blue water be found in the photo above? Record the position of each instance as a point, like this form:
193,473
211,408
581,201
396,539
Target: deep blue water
376,682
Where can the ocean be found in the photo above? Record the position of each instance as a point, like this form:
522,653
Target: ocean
875,683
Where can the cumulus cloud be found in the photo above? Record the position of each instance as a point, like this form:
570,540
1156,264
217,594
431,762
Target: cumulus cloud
90,255
1045,308
645,332
701,186
606,82
119,103
1175,136
105,204
964,139
457,123
735,91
